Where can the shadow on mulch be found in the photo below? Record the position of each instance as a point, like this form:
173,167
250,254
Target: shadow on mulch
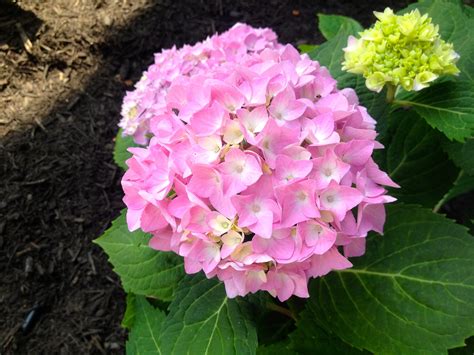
12,15
60,188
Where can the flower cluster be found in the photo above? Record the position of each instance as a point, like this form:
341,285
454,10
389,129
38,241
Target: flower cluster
147,99
259,172
404,51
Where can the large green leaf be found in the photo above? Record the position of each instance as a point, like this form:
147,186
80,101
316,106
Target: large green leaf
411,293
143,271
202,320
146,330
469,10
453,21
309,338
331,55
278,348
329,25
448,107
415,160
130,311
462,154
122,143
465,350
307,48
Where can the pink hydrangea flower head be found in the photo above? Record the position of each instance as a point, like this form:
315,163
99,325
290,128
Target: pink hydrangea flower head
255,169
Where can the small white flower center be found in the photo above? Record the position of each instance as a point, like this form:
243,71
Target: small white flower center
301,195
256,208
132,112
317,229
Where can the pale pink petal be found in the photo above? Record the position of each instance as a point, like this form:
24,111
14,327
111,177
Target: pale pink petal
205,181
285,107
290,170
298,202
355,248
207,121
331,260
339,199
317,235
227,95
355,152
161,239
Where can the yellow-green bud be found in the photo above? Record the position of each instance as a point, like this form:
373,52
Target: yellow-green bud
403,50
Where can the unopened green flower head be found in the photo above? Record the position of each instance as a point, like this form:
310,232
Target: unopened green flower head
404,50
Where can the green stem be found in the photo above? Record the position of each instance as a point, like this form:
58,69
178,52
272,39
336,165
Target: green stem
444,199
402,103
391,89
280,309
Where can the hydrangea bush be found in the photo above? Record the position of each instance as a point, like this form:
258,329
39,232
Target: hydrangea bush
254,168
257,171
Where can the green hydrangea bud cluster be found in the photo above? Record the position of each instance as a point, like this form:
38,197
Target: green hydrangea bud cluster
404,51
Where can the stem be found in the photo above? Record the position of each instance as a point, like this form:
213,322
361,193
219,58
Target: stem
402,103
445,197
391,89
280,309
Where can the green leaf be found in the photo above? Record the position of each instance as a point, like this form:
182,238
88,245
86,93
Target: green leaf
309,338
143,271
453,22
415,160
272,327
448,107
146,330
462,154
469,10
120,149
129,316
331,55
202,320
278,348
329,25
465,350
307,48
411,293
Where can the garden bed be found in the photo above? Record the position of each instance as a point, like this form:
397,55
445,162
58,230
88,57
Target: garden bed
59,186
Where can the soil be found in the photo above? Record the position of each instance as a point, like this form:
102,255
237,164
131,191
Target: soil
64,68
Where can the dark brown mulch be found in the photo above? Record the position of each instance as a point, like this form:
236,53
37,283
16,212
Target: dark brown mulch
59,188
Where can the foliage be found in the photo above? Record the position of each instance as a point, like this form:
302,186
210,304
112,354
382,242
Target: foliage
142,270
329,25
415,159
410,294
121,154
413,290
203,320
